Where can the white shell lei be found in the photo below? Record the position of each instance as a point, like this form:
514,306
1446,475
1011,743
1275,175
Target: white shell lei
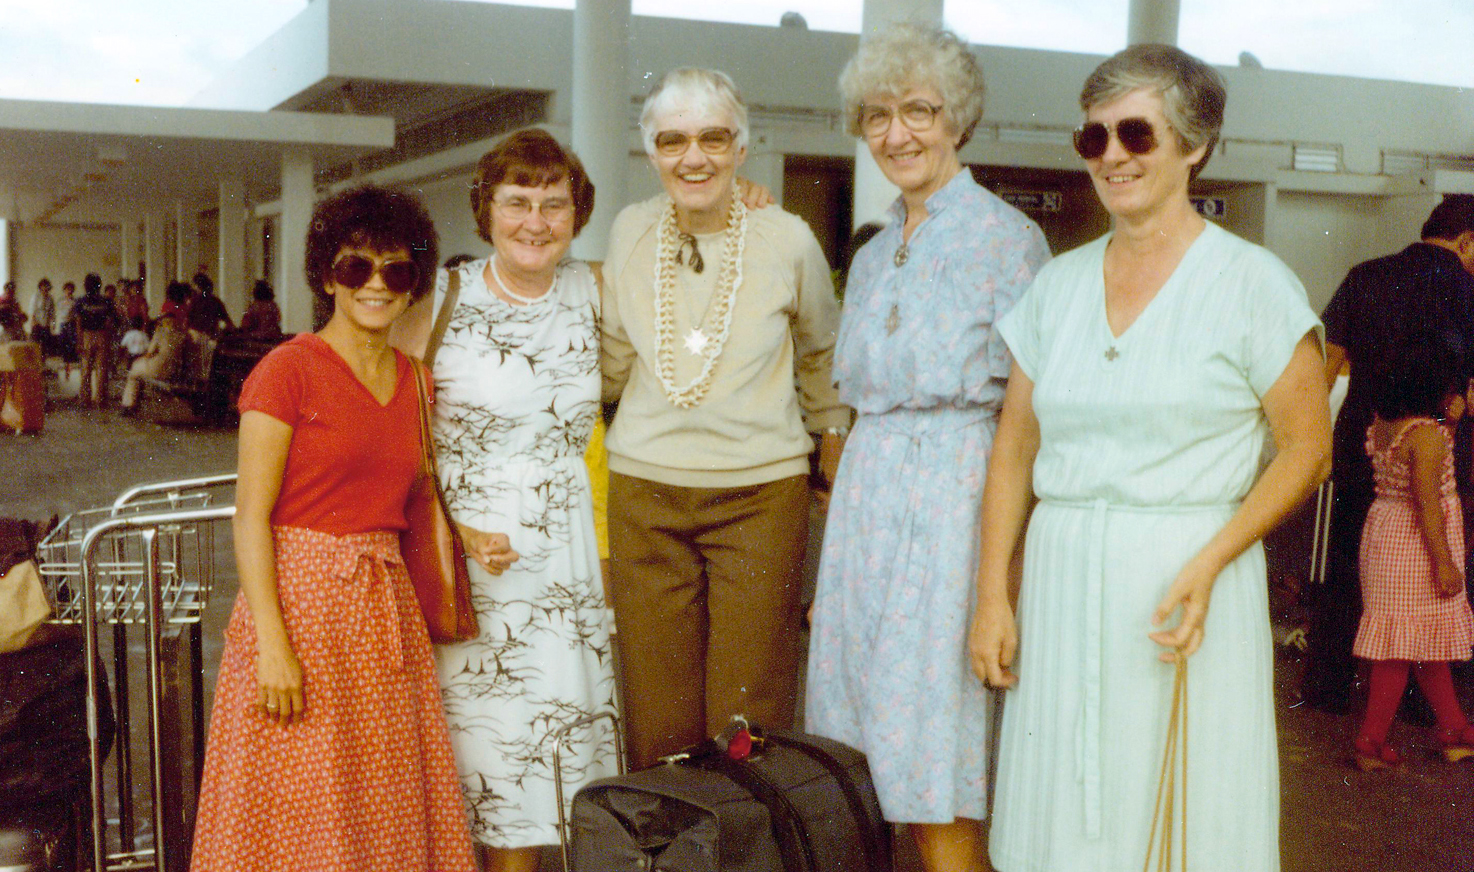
719,313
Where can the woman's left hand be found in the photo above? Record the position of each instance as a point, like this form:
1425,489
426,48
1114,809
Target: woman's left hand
492,550
831,446
1191,591
754,196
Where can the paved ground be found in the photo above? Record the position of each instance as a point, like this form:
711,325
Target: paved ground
1335,819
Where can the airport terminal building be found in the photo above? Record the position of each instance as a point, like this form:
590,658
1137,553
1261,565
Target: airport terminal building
1325,171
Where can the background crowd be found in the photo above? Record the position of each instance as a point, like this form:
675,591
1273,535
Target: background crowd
109,330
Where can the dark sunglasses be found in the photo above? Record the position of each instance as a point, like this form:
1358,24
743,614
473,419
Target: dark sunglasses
1136,135
712,140
353,271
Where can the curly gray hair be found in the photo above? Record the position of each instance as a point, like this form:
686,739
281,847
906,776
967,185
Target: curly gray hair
1193,94
689,89
908,55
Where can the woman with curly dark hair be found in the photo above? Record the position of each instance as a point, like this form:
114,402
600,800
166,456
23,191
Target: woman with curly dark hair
328,746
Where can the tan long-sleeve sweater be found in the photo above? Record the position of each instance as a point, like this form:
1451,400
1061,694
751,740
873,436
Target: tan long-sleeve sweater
753,425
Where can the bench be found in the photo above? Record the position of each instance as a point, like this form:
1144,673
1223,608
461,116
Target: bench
210,374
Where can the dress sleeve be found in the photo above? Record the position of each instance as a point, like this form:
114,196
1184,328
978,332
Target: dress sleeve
1024,263
275,386
1279,316
1020,328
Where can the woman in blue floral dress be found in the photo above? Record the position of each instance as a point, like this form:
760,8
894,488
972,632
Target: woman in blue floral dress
919,359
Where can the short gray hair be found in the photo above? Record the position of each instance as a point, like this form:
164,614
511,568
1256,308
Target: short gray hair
689,88
1193,94
910,55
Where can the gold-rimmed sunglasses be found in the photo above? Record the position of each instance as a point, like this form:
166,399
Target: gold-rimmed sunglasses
712,140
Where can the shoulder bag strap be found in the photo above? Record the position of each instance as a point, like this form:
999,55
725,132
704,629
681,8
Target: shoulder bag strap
427,447
1171,802
442,321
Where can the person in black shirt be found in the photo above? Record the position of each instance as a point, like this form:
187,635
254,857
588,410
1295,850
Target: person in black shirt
206,312
1382,305
96,319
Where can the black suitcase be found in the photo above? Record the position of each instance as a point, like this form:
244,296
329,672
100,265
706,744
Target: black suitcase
797,803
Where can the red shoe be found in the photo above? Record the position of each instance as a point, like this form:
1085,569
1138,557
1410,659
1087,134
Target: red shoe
1369,754
1457,744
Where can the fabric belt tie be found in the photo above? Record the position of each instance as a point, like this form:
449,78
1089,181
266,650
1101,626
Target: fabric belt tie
1087,726
365,564
919,428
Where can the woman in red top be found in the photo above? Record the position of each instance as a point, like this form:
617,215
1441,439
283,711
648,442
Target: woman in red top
328,746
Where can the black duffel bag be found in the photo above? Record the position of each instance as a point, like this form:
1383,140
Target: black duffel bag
795,803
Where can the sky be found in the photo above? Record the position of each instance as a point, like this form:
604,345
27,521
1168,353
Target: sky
162,52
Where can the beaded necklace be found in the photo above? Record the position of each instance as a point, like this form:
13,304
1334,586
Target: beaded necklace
707,346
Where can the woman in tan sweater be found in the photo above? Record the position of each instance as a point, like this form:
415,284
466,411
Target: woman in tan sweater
712,314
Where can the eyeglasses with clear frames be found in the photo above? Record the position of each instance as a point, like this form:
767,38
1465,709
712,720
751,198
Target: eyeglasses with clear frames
918,116
553,209
712,140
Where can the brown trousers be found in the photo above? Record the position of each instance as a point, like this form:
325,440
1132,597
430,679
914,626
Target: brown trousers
96,350
705,584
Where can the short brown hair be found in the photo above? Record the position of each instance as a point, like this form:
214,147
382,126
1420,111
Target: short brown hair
531,158
1193,94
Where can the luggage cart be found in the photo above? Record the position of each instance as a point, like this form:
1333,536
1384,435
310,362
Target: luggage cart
146,559
561,737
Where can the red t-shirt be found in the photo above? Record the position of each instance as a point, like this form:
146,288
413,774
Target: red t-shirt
351,461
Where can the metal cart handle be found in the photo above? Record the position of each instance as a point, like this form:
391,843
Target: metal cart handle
560,737
183,484
149,524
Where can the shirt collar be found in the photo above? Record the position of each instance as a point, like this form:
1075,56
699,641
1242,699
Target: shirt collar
956,189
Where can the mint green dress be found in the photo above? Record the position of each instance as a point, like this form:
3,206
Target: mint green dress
1149,441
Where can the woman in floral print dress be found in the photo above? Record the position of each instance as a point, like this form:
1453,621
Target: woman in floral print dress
918,358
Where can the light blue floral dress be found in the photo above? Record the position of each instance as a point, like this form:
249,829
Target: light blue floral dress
920,360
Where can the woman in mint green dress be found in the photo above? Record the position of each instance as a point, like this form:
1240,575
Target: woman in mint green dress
1147,365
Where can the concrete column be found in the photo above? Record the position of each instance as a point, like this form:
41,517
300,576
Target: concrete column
601,112
292,293
186,241
255,264
873,191
128,247
230,271
1152,21
155,259
4,251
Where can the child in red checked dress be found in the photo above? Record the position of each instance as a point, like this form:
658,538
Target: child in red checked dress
1416,615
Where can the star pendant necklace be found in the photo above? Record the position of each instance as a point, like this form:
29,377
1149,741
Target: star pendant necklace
696,341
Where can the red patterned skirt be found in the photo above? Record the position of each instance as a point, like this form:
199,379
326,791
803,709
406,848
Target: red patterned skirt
365,780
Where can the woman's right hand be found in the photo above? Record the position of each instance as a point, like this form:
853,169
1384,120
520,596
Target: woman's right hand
279,682
1447,580
991,644
493,551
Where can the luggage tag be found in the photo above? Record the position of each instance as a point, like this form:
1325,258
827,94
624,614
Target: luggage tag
744,741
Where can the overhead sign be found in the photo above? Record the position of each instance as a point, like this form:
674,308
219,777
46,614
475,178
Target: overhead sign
1034,201
1210,207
